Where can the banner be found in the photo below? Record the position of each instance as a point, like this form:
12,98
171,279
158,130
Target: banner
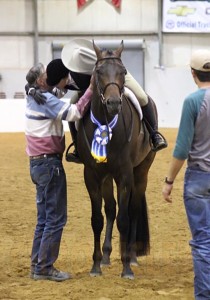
80,3
116,3
186,16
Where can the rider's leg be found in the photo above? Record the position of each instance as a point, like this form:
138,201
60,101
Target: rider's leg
73,156
149,112
150,120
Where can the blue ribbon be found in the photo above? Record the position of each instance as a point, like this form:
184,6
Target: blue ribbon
102,135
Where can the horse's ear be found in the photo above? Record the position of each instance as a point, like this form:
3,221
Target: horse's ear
118,52
97,50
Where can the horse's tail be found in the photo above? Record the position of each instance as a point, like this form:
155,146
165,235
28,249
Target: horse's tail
142,246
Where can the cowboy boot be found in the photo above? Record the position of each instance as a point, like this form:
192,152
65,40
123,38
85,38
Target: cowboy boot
150,120
74,156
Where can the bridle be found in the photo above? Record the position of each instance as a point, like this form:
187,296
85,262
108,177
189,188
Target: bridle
101,91
99,88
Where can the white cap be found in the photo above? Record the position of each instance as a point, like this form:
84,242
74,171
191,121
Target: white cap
200,60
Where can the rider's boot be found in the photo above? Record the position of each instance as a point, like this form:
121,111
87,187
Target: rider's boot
73,156
149,117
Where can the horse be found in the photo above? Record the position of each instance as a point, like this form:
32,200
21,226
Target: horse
113,144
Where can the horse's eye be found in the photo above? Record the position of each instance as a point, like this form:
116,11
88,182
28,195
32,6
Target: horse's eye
99,71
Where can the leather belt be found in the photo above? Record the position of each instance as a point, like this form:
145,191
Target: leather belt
46,156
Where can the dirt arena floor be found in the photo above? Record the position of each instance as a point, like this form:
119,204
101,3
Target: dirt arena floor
164,274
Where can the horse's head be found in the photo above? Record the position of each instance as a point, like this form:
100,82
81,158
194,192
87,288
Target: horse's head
110,78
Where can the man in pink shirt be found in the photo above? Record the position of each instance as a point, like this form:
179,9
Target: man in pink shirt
45,141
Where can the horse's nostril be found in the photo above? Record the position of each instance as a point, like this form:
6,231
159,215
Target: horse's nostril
113,101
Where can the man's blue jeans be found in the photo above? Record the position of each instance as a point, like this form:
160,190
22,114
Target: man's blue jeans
49,177
197,204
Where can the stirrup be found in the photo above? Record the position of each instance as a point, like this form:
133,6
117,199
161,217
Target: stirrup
159,146
72,157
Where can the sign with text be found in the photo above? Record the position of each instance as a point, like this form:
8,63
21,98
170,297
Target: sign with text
186,16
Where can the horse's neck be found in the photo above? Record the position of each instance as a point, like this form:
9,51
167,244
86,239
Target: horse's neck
99,110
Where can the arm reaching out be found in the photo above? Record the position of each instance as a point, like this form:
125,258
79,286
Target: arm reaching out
84,102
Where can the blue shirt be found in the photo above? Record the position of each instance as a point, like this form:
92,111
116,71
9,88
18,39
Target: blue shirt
193,139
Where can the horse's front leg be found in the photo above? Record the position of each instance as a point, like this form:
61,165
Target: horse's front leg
110,211
123,223
97,220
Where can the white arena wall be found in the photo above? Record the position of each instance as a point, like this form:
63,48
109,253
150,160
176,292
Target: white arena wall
167,77
12,115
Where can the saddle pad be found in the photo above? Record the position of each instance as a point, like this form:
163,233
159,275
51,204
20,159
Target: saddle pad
131,96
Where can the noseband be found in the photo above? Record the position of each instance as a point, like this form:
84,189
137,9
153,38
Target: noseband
102,91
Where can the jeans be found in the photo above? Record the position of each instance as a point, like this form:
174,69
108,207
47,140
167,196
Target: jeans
197,205
49,177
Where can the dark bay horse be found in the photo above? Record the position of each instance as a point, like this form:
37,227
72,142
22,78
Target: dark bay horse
114,146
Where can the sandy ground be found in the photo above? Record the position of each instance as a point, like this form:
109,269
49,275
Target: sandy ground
164,274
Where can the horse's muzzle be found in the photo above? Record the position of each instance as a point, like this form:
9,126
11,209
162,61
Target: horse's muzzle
113,105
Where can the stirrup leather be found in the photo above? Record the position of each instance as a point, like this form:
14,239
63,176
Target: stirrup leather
72,157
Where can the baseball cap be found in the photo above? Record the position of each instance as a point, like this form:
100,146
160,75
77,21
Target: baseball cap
200,60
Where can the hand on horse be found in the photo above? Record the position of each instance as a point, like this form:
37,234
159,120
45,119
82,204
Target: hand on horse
84,102
36,93
166,192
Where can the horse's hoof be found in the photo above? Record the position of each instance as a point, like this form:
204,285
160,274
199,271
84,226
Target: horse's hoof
127,276
95,271
95,274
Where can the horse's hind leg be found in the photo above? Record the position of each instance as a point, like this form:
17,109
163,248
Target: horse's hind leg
123,222
110,211
140,237
133,257
139,220
137,212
